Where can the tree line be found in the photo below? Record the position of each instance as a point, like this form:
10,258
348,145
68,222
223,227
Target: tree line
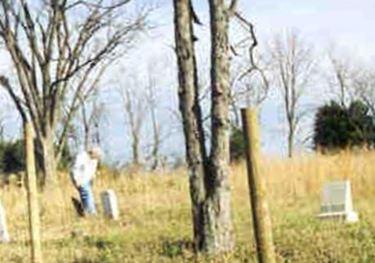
60,51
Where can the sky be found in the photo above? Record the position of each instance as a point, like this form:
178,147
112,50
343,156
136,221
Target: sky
347,25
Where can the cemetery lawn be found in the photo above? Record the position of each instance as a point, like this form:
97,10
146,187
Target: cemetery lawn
155,223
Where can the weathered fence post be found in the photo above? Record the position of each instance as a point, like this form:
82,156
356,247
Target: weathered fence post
257,188
4,235
32,195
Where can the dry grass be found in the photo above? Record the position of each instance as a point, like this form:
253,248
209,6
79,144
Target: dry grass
155,223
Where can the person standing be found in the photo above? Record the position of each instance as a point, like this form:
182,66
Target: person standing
82,174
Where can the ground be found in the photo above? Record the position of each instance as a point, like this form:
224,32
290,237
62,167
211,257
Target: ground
155,224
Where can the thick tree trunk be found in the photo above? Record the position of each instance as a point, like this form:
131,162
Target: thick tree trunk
218,222
209,182
48,160
191,114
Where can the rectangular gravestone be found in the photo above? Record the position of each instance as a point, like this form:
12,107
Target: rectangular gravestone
110,204
337,202
4,235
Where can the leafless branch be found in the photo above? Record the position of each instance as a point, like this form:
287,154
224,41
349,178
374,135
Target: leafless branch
59,56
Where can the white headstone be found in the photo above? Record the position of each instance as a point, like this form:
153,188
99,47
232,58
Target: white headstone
4,235
110,205
337,202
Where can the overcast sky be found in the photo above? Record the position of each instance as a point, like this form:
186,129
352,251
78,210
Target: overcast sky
346,24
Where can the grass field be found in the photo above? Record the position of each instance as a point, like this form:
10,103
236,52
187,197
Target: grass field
155,223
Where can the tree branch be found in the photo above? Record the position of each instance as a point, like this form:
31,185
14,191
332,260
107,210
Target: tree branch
17,101
232,8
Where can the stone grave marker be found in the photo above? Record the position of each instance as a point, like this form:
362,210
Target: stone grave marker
4,235
337,202
110,204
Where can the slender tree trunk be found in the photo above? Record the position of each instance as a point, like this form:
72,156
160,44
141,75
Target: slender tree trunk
86,126
156,146
191,114
218,222
155,150
133,112
290,142
135,148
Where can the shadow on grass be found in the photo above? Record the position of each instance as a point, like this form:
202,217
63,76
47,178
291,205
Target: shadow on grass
173,249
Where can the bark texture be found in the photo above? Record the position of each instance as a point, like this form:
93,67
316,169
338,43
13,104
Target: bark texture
209,185
218,221
49,162
191,114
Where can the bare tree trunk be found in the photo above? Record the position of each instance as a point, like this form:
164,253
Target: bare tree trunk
290,112
48,160
294,68
135,148
191,114
86,126
218,223
156,146
209,184
134,112
156,129
290,142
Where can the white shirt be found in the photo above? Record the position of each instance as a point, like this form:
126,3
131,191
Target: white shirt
83,169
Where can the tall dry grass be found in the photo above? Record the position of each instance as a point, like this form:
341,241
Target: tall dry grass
155,223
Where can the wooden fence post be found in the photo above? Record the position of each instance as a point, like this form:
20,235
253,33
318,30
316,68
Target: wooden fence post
32,195
261,218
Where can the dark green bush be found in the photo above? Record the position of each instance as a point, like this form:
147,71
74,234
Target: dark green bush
339,127
237,144
12,157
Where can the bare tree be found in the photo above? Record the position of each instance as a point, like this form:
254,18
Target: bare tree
60,49
191,113
364,88
293,69
152,103
341,78
209,174
351,81
92,112
134,109
217,206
